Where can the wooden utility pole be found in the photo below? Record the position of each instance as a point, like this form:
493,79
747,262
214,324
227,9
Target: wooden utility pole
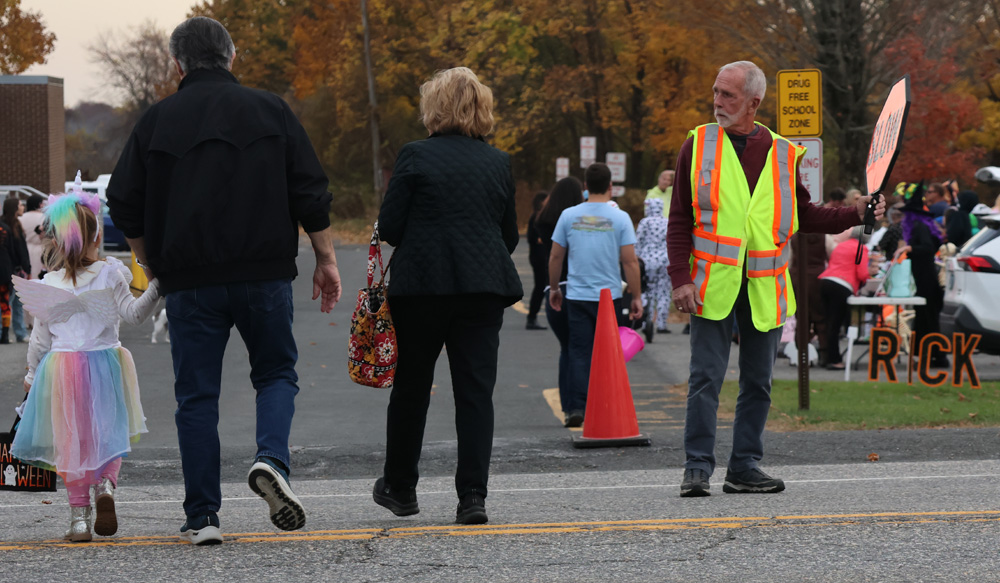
372,106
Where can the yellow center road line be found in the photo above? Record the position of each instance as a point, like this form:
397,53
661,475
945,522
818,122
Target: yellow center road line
674,524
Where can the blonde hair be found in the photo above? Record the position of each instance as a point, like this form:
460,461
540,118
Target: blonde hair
58,254
455,101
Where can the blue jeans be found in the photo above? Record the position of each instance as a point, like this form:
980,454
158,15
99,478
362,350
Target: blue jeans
17,318
582,317
200,320
559,324
710,344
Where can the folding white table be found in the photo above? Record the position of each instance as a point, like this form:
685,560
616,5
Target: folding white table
868,301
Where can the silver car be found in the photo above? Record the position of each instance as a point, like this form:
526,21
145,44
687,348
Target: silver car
972,287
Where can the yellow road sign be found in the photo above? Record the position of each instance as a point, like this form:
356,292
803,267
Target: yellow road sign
800,102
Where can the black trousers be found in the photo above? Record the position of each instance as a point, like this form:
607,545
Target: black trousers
837,315
468,326
540,276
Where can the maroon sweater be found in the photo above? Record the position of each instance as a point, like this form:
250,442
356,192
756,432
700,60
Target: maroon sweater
680,226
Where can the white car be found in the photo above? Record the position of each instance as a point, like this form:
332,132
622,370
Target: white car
972,287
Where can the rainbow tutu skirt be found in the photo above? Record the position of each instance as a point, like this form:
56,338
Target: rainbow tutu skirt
83,411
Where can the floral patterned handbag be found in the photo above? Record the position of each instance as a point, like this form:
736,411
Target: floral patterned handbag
371,353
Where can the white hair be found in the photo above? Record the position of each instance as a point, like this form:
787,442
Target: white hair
755,83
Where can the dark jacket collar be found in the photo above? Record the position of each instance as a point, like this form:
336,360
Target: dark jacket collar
454,133
207,76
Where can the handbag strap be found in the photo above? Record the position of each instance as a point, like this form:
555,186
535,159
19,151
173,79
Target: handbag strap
375,254
17,418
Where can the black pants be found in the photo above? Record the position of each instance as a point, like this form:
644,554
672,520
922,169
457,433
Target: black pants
926,318
469,327
540,271
837,314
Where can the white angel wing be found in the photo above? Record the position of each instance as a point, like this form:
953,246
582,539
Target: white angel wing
47,303
100,303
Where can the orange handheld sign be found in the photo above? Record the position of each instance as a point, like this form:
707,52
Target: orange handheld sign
886,142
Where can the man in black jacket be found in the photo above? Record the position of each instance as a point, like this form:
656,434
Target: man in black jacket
210,191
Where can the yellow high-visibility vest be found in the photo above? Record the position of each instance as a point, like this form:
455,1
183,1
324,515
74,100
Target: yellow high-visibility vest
733,228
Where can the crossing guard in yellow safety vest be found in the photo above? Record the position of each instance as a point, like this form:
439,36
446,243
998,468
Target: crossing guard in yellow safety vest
734,230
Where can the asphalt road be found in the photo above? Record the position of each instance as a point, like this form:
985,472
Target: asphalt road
926,512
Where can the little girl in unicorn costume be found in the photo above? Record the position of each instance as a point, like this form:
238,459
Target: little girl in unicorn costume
82,412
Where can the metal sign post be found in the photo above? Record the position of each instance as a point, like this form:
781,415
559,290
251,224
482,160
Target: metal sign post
800,113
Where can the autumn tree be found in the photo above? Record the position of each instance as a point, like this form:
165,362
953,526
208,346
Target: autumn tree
262,32
137,65
933,147
95,136
982,78
23,39
618,70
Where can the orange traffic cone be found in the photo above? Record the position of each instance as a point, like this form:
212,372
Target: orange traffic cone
610,419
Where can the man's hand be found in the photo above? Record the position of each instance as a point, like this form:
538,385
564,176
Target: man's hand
686,298
326,278
326,281
862,206
635,310
555,298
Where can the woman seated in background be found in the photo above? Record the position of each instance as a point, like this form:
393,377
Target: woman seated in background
841,280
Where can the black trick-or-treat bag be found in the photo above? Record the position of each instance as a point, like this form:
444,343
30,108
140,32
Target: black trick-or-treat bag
19,476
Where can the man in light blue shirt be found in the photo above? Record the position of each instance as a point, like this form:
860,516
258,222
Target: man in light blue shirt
597,237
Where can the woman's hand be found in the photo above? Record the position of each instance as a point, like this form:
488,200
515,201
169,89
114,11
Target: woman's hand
901,251
27,386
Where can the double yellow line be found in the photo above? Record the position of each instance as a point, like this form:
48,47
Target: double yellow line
680,524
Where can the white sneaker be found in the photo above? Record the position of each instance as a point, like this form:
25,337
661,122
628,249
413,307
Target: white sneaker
285,509
203,530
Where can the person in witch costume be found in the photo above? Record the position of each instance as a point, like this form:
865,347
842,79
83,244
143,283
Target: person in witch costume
923,237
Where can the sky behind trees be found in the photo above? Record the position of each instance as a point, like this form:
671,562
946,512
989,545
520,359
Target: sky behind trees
77,24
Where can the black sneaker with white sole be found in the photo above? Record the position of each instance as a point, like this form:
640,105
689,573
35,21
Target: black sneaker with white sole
695,483
752,481
269,482
202,530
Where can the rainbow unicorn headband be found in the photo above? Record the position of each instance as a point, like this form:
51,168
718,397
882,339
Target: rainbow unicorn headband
60,214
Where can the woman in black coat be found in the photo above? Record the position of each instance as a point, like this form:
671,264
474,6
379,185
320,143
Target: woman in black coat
923,238
449,212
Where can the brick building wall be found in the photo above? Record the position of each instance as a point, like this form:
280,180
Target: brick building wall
32,132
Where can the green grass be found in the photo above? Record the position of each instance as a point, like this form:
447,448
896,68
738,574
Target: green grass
838,405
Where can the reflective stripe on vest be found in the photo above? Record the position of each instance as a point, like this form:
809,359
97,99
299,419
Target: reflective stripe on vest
783,158
708,248
708,178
